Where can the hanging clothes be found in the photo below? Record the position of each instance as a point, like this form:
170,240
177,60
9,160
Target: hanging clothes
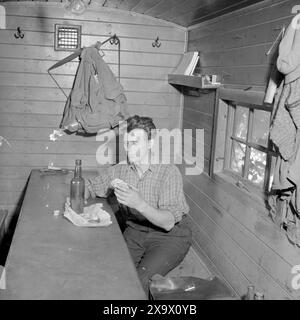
285,134
97,100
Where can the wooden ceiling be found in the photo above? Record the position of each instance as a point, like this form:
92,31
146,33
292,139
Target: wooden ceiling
181,12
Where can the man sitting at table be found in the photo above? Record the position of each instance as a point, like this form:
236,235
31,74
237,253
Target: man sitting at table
157,234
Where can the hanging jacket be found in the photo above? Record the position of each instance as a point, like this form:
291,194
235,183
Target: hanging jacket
294,177
288,61
284,200
283,130
97,100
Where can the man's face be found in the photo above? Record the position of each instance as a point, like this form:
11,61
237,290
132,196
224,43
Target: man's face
137,145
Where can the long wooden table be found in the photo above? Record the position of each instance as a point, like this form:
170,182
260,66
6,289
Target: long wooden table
50,258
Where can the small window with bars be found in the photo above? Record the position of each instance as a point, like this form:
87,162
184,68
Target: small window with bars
67,37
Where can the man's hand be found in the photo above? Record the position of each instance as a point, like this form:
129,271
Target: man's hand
129,196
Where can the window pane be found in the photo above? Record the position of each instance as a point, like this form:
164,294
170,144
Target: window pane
241,122
237,157
257,165
261,123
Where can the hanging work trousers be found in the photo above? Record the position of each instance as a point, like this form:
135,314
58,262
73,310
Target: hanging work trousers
97,100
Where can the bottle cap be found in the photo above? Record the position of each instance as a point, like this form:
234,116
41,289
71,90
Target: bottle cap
78,162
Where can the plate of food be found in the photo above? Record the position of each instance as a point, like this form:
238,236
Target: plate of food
92,216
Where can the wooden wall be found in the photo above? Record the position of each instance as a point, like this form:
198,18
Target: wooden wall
234,46
198,113
232,232
31,105
235,239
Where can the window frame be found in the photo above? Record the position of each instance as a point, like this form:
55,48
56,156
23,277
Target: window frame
242,180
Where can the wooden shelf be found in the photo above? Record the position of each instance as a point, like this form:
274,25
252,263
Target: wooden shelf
189,81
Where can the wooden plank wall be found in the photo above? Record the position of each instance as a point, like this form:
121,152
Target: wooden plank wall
231,231
233,236
31,105
198,113
234,46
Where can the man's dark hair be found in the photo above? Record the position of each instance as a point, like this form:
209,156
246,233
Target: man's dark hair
145,123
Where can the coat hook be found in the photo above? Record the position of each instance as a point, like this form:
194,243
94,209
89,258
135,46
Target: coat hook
156,43
19,33
114,40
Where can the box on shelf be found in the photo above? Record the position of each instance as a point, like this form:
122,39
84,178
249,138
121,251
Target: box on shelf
208,80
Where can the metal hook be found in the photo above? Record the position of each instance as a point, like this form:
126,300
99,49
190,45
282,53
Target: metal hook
114,40
19,33
156,43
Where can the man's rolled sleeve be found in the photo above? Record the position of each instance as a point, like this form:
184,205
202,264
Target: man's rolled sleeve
171,196
100,185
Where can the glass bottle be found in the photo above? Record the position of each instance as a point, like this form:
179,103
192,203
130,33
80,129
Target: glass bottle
250,293
77,186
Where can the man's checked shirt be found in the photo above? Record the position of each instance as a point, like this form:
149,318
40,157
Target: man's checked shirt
160,186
